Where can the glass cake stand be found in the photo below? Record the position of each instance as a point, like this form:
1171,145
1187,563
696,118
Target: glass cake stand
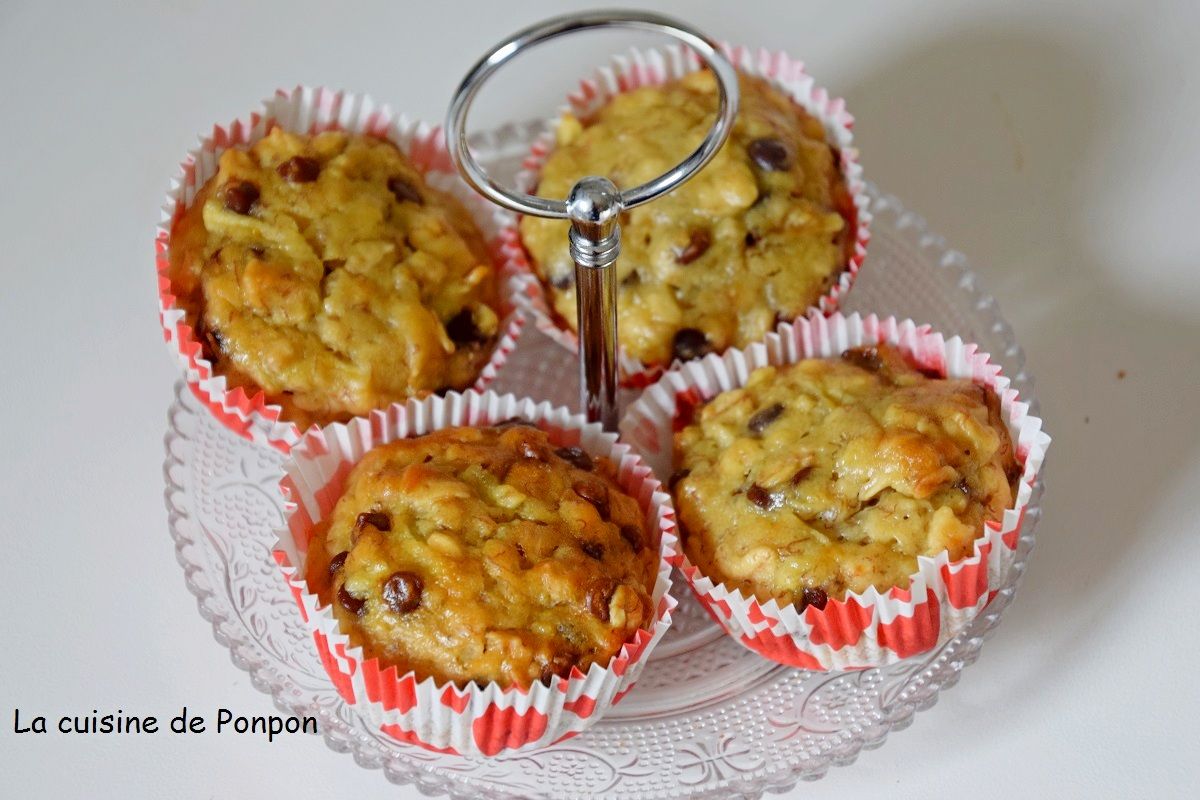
708,719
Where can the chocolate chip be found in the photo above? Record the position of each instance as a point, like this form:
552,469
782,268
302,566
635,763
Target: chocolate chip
402,592
962,485
349,602
762,498
376,519
593,549
514,422
404,191
599,596
632,279
520,551
801,474
594,493
689,343
632,534
240,196
697,246
563,281
676,477
813,596
211,341
299,169
330,264
576,456
864,358
751,239
763,418
771,155
337,562
559,666
461,328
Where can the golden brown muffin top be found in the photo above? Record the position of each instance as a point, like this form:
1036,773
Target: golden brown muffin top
759,234
834,475
485,554
326,272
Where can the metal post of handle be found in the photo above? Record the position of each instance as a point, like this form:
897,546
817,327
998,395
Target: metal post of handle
595,203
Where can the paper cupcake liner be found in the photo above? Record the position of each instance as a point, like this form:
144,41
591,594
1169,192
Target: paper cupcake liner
872,628
441,716
654,67
310,111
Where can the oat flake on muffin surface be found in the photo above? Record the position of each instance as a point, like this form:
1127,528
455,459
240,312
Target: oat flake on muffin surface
324,271
485,554
760,234
834,475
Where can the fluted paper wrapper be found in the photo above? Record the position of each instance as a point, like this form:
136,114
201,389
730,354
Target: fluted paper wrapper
306,110
654,67
440,716
872,628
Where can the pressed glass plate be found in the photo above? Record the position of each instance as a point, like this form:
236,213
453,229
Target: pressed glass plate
708,719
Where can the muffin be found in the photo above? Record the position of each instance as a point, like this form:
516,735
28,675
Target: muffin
324,271
759,235
830,476
485,555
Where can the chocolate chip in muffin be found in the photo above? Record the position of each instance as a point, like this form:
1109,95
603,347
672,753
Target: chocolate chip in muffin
593,549
376,519
337,562
676,477
751,239
771,155
689,343
594,493
240,196
211,342
562,281
403,191
331,264
632,534
349,602
763,418
559,666
697,246
962,485
402,592
762,498
461,328
299,169
864,358
801,474
813,596
599,596
576,456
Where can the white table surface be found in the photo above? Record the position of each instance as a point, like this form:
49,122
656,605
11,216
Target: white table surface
1056,146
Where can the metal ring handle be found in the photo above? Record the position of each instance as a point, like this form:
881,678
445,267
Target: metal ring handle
456,118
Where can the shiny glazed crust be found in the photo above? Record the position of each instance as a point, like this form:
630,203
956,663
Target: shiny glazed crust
759,235
485,554
834,475
324,271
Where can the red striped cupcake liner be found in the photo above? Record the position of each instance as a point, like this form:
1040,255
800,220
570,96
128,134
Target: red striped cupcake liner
653,67
871,628
307,110
441,716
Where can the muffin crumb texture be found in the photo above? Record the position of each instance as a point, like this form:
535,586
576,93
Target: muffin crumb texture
759,235
326,272
834,475
485,554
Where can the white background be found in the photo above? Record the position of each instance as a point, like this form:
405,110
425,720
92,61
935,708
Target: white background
1056,146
